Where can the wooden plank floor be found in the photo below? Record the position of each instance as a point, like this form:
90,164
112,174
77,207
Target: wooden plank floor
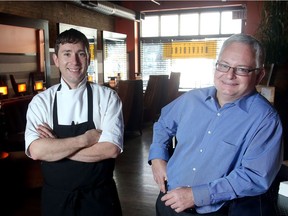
136,187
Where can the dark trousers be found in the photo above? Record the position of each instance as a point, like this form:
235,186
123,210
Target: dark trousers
248,206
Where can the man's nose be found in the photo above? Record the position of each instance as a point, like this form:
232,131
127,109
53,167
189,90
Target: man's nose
75,58
231,72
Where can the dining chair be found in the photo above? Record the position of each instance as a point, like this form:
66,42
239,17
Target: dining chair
173,86
155,97
131,95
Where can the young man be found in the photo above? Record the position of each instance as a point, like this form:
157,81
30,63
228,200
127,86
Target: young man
228,148
76,129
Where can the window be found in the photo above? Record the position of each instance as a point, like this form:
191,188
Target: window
209,23
150,28
189,24
230,25
186,42
169,25
114,55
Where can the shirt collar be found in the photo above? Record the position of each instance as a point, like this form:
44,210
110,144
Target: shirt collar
243,103
211,94
66,87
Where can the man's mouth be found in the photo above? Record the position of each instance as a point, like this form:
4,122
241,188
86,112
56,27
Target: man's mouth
74,70
228,83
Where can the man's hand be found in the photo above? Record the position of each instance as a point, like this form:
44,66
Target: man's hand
92,137
45,131
159,173
179,199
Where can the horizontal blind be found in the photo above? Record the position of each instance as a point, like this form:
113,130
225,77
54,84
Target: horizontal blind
115,59
195,59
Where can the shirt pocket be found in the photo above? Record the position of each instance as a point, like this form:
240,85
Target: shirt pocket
225,157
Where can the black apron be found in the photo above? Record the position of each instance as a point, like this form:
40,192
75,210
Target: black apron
73,188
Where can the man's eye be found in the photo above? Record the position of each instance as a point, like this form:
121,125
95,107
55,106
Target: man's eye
223,66
83,54
243,70
67,54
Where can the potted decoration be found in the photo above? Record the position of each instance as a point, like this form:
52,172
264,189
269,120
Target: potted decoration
273,33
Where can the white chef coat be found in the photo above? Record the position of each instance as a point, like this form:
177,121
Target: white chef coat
72,106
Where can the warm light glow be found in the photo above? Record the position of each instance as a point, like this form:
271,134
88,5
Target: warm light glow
4,155
4,90
90,78
38,86
22,87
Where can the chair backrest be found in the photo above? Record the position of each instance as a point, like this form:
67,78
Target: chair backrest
155,96
131,95
35,76
14,113
14,84
125,91
173,86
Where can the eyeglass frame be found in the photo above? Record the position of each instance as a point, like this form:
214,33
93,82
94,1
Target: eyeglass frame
247,71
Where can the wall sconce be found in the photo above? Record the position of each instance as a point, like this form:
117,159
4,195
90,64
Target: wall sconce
38,85
3,90
90,78
21,87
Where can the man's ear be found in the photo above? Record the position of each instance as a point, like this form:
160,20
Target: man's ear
89,58
55,59
260,76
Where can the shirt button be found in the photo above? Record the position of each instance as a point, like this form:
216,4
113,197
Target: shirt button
194,169
209,132
201,150
218,114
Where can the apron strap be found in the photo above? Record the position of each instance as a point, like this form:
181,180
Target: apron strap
90,105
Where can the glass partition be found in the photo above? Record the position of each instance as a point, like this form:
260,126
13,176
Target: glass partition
114,56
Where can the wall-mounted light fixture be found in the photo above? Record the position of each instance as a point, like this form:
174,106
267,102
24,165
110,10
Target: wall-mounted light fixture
4,90
108,8
22,87
90,78
38,85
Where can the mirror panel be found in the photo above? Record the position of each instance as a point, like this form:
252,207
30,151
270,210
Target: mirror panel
24,49
114,56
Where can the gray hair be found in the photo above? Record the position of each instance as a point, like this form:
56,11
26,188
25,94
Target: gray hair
255,45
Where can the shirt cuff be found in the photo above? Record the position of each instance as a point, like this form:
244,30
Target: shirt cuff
201,195
157,153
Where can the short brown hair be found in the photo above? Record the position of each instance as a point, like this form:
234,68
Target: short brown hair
71,36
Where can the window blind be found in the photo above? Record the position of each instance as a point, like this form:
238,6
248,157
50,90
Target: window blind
195,59
115,59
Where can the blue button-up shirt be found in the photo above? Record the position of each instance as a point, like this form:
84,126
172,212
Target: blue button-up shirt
222,153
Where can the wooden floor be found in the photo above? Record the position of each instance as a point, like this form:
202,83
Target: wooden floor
136,187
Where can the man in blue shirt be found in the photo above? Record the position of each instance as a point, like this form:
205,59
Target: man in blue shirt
229,136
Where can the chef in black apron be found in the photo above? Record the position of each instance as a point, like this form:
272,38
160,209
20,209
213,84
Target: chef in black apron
77,166
78,188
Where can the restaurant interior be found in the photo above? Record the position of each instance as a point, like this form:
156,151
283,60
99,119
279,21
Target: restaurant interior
28,30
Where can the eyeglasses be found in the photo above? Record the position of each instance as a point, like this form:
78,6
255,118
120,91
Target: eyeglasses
240,71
